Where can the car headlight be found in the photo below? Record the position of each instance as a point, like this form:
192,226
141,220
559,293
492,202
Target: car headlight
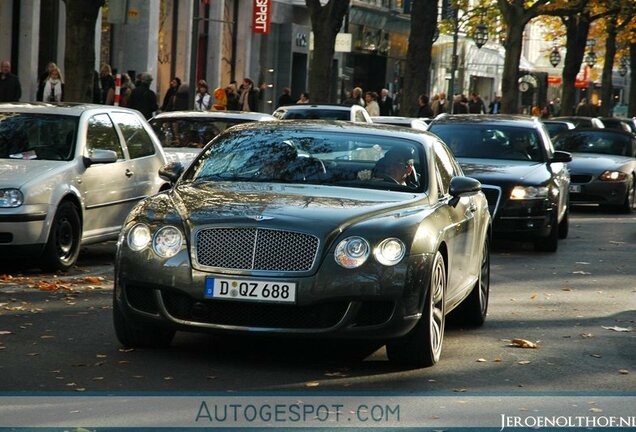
139,237
612,176
167,242
352,252
528,192
11,198
390,251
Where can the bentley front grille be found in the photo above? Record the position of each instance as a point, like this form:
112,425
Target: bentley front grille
255,249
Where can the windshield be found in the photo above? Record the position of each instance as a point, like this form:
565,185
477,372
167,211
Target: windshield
37,136
594,142
491,141
190,132
286,155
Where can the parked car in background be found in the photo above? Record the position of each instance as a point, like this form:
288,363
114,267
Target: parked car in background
353,113
554,127
184,133
582,122
603,167
525,180
410,122
624,124
271,232
69,175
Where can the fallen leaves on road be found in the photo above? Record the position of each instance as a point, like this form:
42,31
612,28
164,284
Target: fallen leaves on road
54,284
5,332
623,371
523,343
312,384
523,362
481,360
581,272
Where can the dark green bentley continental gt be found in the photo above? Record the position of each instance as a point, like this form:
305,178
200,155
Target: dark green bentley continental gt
317,229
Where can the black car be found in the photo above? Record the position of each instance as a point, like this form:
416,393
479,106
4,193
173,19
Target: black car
582,121
525,180
311,229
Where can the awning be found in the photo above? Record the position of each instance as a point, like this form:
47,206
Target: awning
381,20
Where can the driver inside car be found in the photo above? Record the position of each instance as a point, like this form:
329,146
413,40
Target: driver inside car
397,165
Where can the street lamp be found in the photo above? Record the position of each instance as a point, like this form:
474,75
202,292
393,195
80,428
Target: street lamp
481,35
555,57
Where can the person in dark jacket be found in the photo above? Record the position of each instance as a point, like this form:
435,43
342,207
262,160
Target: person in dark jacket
10,88
171,94
385,103
424,109
248,96
142,98
285,99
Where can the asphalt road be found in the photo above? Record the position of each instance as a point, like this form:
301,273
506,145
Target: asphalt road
577,305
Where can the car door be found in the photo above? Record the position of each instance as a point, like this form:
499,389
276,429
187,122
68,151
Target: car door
145,156
461,222
106,188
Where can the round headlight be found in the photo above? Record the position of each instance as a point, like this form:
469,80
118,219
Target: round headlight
352,252
390,251
167,242
139,237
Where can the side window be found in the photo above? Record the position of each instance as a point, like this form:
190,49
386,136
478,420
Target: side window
102,135
137,139
445,166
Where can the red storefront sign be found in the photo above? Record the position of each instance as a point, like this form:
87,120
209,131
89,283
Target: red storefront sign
581,84
261,16
554,80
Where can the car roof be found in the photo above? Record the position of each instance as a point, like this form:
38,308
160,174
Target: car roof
319,106
62,108
222,115
605,131
487,119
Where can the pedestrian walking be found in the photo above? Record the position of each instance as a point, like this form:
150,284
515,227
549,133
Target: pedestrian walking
53,90
10,88
220,100
424,109
285,98
248,96
126,89
107,82
169,99
142,98
202,100
232,97
303,98
440,105
476,105
356,97
372,107
385,103
495,106
42,80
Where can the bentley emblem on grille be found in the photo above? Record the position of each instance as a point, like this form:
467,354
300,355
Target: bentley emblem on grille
260,217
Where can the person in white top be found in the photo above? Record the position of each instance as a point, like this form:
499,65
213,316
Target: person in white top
53,86
371,105
202,99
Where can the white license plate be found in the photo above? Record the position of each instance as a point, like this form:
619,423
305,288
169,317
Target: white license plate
575,188
250,290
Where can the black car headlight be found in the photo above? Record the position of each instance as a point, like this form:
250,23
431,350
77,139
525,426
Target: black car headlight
390,251
529,192
352,252
612,176
167,241
10,198
139,237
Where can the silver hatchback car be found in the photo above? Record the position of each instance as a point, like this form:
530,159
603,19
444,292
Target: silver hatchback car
69,175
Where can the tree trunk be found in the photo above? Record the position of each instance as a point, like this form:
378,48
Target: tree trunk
577,28
79,57
418,55
326,22
631,112
607,95
509,86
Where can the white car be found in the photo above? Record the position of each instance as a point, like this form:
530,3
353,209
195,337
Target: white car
184,133
409,122
353,113
69,176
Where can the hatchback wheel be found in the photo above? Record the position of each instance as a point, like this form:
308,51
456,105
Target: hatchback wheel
63,246
422,346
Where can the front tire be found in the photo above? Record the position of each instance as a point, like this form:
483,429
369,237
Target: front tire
422,346
628,204
564,225
551,242
63,246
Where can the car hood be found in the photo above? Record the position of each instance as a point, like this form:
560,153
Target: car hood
504,171
183,155
16,172
322,209
595,163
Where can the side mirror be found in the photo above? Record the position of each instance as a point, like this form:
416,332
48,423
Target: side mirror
463,186
100,156
561,156
171,172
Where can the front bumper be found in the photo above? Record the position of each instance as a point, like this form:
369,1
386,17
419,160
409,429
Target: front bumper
599,192
371,302
22,234
524,219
